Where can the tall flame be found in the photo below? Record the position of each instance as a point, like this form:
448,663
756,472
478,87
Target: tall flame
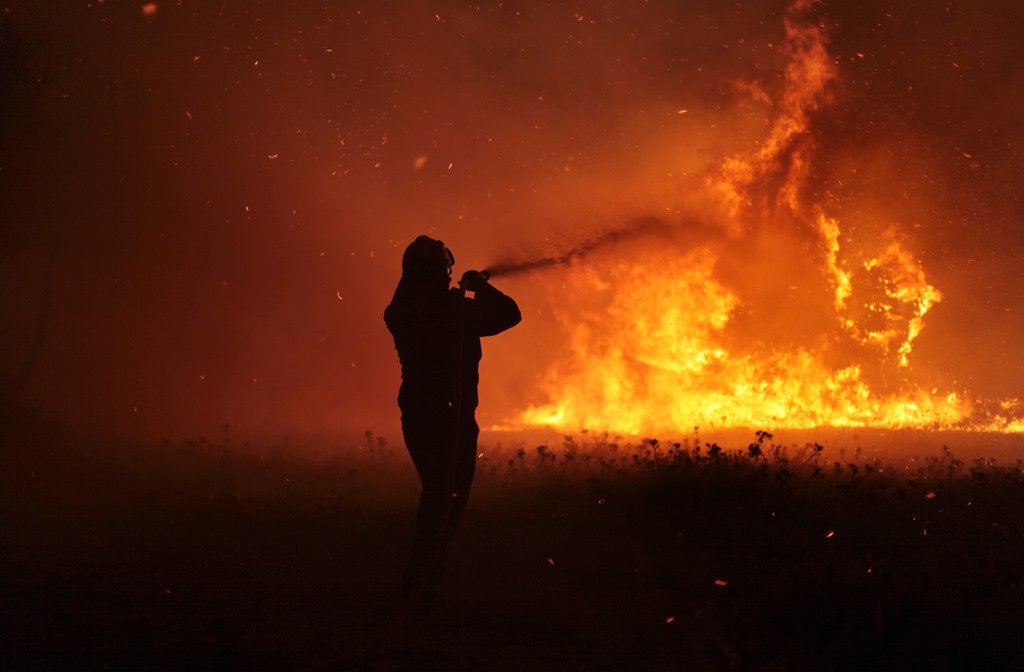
773,320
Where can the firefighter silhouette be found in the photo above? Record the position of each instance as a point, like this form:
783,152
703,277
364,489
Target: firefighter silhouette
437,331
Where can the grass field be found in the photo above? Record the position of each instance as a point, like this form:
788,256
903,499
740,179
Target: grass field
587,555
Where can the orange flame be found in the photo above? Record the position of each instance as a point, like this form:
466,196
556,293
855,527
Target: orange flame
713,335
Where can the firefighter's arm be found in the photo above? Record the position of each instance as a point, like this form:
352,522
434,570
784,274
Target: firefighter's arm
492,311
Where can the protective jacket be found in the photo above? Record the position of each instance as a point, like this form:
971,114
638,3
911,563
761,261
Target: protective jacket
424,317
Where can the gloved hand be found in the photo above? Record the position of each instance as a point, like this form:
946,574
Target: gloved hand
473,281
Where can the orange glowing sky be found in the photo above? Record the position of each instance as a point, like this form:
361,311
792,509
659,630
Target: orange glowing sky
225,188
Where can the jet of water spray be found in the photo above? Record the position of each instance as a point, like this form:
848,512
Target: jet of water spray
633,229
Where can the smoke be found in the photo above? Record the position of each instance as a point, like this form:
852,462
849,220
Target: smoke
227,187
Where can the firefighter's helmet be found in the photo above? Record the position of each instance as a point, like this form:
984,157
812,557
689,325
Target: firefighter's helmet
427,257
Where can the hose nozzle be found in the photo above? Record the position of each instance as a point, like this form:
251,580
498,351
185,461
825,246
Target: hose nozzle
473,279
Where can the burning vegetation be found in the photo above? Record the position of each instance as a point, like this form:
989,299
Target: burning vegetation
757,308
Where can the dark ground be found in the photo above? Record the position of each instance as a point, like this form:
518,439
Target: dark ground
195,556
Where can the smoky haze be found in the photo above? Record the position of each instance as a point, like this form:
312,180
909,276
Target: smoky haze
224,190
